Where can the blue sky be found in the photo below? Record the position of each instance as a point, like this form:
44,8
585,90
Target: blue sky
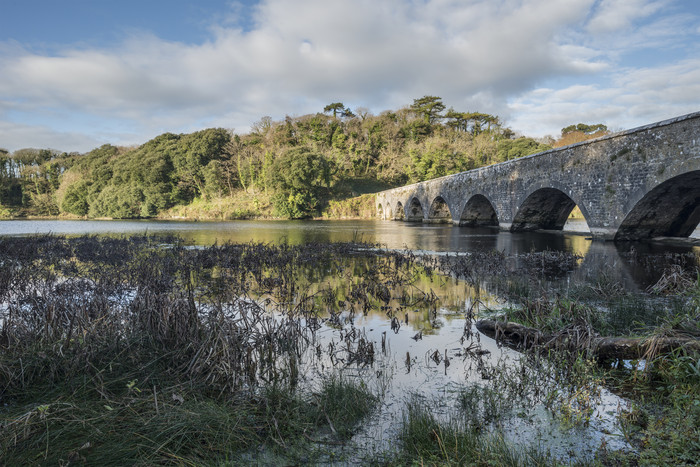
78,74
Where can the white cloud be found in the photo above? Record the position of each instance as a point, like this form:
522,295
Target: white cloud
614,16
633,97
295,57
17,136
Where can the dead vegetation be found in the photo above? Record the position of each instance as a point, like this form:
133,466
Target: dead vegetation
148,326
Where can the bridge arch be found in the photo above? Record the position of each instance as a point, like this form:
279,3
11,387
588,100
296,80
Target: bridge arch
380,211
415,211
616,181
545,208
400,212
478,211
671,209
439,211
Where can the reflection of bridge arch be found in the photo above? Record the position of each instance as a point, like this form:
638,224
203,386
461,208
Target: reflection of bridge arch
439,211
478,211
415,211
671,209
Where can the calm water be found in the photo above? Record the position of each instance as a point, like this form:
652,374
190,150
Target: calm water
414,236
437,238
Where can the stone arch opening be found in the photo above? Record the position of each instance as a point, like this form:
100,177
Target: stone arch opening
399,212
415,211
439,211
544,209
576,222
478,211
380,212
671,209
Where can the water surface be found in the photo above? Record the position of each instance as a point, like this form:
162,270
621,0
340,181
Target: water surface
406,366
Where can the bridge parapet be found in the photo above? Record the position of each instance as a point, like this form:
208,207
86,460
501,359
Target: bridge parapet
638,183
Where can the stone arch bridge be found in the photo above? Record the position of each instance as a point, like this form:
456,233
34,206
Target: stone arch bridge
636,184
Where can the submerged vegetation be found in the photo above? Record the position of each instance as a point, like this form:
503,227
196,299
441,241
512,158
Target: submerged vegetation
145,350
299,167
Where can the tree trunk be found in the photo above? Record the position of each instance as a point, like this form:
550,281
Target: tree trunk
603,348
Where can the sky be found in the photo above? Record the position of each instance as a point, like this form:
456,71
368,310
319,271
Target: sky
77,74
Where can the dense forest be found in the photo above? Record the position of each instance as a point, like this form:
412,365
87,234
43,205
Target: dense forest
299,167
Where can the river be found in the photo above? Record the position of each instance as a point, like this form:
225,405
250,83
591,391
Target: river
418,237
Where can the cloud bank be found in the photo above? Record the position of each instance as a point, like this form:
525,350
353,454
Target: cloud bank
539,64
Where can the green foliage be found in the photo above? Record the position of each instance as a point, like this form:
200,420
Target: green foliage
429,108
299,178
392,148
4,212
189,157
76,198
584,128
425,440
214,179
118,201
513,148
432,161
142,182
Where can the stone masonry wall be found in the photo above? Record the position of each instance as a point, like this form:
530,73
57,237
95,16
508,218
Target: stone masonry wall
605,177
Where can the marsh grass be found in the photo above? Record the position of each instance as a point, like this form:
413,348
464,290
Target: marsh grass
342,402
485,406
665,424
144,351
140,424
425,440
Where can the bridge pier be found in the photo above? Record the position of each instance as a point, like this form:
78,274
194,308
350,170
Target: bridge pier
602,233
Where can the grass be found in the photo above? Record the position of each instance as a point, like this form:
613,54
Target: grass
664,423
427,441
242,205
116,350
361,207
144,424
121,350
342,403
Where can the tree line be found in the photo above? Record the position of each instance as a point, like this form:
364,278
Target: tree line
295,166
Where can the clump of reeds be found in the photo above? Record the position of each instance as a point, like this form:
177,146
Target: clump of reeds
188,352
426,440
550,263
474,267
675,279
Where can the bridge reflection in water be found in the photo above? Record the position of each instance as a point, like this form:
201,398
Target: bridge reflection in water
433,238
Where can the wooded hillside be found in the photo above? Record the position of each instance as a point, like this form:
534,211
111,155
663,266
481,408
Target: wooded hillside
295,168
